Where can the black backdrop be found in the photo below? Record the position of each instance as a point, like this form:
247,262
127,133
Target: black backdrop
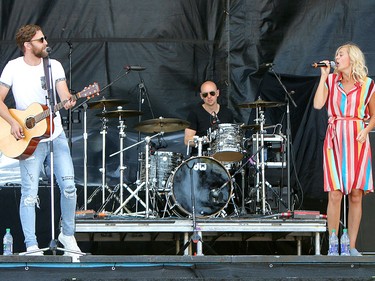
185,42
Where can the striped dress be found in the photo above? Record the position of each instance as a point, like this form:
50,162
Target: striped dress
347,163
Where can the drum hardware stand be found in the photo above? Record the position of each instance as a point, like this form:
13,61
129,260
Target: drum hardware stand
84,103
266,183
288,98
104,185
146,183
198,141
103,132
120,186
243,209
261,164
215,194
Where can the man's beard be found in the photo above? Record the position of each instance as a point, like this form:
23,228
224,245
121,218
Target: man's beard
41,53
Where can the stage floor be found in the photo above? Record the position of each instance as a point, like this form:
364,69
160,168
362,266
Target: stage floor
182,230
15,268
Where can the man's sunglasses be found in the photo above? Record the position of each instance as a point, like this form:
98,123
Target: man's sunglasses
212,93
41,39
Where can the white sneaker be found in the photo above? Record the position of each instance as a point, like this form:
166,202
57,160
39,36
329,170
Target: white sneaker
354,252
69,243
33,251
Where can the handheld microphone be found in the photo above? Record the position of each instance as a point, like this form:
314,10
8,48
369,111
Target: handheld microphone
134,67
48,50
322,64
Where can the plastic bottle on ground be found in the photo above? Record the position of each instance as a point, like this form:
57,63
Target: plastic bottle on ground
8,243
333,249
345,243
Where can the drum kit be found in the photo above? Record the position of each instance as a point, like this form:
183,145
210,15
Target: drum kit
200,186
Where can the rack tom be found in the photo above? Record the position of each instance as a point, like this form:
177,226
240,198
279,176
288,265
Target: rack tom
227,142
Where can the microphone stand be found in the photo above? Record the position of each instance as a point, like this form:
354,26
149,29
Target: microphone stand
51,97
195,237
143,93
51,105
288,98
70,121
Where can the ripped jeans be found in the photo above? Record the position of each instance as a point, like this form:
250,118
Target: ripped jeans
64,174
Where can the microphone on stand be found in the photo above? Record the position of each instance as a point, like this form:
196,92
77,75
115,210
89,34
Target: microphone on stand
323,64
134,68
266,65
216,196
48,51
215,119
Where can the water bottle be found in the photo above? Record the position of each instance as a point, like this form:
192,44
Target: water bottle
8,243
345,243
333,244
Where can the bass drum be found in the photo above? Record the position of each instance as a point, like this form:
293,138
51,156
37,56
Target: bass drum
210,182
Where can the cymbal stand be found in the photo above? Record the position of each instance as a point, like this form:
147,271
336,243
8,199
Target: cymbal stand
122,135
261,164
146,183
103,132
288,98
104,186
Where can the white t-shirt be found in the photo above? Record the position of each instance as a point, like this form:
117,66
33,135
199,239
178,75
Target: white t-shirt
29,86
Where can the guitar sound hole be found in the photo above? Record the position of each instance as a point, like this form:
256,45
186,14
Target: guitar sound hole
30,122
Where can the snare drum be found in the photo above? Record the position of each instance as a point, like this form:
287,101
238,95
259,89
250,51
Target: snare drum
210,182
162,163
227,143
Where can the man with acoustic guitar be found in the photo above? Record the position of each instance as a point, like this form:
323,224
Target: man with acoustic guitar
26,77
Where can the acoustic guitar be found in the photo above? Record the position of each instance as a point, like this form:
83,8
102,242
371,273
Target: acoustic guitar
35,121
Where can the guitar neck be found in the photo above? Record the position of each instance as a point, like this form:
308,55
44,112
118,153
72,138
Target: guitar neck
56,108
87,92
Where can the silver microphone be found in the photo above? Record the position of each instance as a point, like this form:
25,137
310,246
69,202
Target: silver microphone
323,64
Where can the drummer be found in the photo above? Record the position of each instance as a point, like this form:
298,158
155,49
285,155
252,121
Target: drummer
206,115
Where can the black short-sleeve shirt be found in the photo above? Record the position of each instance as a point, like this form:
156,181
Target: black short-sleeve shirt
200,120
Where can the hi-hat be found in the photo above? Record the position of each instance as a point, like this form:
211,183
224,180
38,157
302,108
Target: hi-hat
261,103
120,113
105,103
161,125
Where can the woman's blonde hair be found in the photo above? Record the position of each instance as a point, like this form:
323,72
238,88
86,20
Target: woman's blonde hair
357,61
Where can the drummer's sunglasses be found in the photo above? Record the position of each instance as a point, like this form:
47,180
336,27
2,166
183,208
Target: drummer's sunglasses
212,93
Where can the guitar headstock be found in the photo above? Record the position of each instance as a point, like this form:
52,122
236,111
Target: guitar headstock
90,91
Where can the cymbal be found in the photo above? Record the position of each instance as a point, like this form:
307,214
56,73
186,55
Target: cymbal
119,113
105,103
161,125
261,103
